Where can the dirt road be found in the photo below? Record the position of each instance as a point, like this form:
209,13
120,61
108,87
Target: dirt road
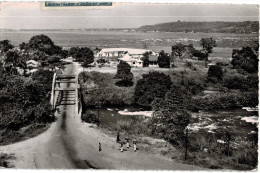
70,144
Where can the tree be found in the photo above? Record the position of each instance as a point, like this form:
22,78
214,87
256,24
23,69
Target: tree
190,50
164,60
124,73
12,61
43,43
178,50
200,55
215,72
170,117
40,42
83,54
151,86
246,58
207,44
5,45
145,59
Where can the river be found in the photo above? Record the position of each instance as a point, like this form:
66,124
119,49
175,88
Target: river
239,121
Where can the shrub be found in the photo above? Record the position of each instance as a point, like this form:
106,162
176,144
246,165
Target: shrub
225,101
151,86
235,82
215,72
124,83
248,157
188,64
89,117
246,59
98,87
242,83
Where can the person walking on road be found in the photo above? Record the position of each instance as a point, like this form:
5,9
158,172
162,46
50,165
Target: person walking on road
99,147
134,142
117,137
122,146
127,142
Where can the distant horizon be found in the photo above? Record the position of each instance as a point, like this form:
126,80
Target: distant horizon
122,27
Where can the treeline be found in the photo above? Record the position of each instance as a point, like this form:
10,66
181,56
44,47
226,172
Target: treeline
205,27
24,98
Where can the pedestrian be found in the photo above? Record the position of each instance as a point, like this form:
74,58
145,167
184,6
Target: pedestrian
127,142
122,146
134,142
117,137
99,149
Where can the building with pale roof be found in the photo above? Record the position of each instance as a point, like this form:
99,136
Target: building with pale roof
119,52
133,62
130,55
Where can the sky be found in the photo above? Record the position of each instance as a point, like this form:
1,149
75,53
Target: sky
30,15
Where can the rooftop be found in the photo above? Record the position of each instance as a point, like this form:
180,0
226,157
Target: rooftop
131,51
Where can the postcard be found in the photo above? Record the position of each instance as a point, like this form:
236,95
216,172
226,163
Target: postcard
129,86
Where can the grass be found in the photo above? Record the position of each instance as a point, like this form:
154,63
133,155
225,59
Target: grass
9,136
5,160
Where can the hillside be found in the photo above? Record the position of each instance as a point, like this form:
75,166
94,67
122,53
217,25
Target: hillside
206,27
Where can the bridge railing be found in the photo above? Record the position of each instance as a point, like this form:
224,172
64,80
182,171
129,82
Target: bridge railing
80,103
76,95
53,90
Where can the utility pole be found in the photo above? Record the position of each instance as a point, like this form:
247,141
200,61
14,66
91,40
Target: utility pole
98,106
186,144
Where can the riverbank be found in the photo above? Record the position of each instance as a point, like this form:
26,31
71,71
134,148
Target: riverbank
207,140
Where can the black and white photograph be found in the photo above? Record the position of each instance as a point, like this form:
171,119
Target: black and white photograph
129,85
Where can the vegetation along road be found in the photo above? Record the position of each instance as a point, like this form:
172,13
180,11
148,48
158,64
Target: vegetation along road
70,143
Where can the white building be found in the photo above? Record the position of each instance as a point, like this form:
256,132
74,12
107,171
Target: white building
133,62
119,52
130,55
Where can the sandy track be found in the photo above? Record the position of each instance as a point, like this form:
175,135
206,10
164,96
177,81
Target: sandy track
70,144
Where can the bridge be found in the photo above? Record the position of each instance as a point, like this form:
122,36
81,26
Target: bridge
66,85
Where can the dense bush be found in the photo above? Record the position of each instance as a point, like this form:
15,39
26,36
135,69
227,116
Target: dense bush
246,59
226,101
24,101
201,55
248,157
43,76
151,86
241,82
98,87
215,72
193,86
5,45
124,83
170,117
89,117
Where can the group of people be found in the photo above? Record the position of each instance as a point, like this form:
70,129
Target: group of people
126,141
